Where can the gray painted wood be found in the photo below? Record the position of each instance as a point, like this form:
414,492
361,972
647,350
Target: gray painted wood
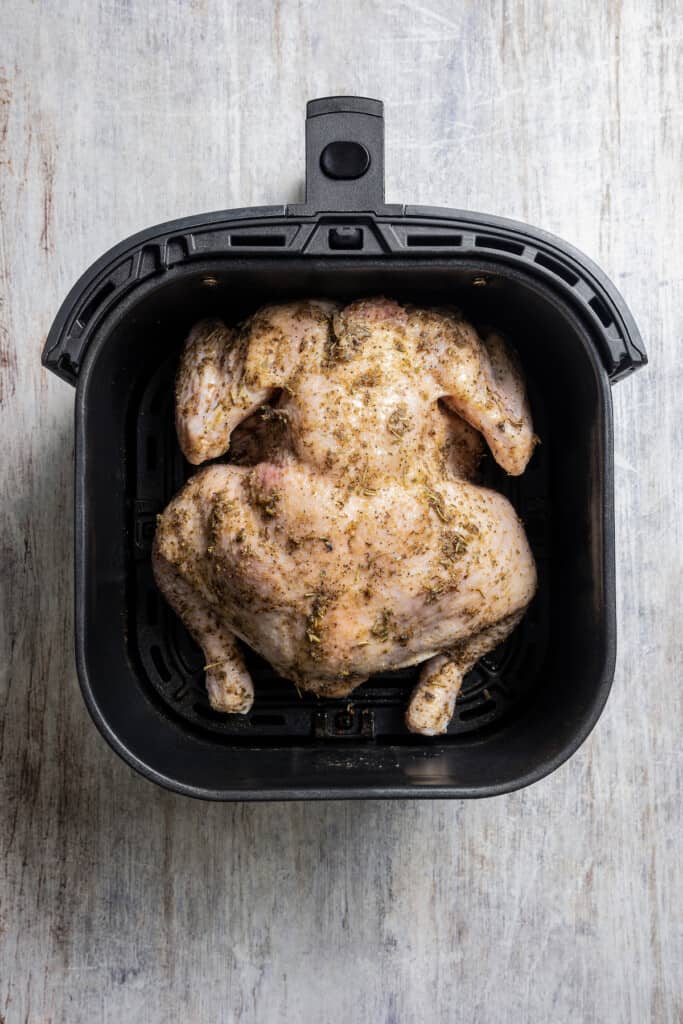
120,902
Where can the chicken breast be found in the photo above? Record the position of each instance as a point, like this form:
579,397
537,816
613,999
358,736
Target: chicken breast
346,536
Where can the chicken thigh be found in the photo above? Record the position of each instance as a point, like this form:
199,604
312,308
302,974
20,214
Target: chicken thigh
346,536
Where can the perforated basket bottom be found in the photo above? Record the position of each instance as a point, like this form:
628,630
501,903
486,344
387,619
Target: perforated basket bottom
170,664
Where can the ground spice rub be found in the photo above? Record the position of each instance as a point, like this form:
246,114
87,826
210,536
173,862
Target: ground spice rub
347,534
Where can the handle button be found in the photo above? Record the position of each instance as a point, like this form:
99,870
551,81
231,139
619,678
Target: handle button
344,160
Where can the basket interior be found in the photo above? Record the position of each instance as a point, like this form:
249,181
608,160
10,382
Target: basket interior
546,677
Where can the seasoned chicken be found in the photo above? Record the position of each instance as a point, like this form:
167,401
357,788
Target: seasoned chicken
346,536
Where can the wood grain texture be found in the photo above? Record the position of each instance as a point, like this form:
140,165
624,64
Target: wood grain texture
120,902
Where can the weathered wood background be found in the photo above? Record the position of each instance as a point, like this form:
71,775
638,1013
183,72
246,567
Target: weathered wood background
120,902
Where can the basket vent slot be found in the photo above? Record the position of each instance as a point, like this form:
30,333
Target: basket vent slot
479,711
258,240
433,240
556,268
88,311
502,244
159,663
600,311
176,250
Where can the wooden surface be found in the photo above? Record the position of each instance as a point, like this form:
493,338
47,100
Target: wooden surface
120,902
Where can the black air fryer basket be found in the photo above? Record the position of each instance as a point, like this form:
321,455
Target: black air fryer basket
524,709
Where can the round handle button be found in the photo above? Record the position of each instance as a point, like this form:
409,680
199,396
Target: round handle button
344,160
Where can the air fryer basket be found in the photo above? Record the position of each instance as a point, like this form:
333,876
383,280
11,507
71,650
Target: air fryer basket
525,708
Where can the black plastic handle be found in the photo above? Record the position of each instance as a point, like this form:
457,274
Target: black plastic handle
344,155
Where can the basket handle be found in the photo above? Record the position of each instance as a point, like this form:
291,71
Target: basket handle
344,155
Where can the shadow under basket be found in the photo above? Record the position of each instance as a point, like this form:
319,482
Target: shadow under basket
523,709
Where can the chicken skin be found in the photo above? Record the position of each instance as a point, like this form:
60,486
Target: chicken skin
346,536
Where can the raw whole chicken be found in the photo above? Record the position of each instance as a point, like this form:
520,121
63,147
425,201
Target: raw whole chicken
346,536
